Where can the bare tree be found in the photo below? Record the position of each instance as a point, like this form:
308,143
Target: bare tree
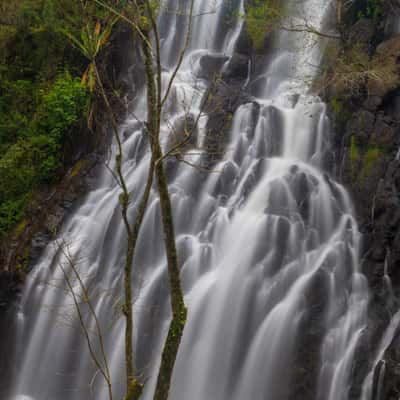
81,297
141,16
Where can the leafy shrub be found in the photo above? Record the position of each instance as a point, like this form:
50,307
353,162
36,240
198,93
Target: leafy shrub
349,73
62,107
372,9
36,156
261,17
11,212
40,105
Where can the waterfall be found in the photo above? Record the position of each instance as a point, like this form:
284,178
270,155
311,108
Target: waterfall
267,240
385,342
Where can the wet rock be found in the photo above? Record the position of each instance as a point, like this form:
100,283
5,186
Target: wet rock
243,44
372,102
361,126
362,31
379,88
39,242
8,287
390,47
183,132
237,68
210,65
226,179
383,134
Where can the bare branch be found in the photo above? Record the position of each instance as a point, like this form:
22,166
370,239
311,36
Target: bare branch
127,20
307,28
104,372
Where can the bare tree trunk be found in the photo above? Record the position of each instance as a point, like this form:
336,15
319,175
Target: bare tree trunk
179,311
134,387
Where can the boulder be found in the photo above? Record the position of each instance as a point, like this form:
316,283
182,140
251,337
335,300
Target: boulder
210,65
238,67
390,47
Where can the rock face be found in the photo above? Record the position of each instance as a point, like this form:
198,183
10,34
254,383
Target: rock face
367,161
8,286
367,158
43,220
362,31
51,204
390,47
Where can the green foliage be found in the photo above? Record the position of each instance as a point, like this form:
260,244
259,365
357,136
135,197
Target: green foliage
372,9
11,212
40,105
349,73
32,141
261,17
17,104
62,108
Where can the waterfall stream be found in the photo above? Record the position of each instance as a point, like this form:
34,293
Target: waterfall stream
266,239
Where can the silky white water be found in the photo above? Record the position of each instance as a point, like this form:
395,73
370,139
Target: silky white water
256,237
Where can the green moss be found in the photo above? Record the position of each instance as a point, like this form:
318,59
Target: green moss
23,260
337,105
21,227
169,354
78,167
354,153
354,156
261,17
370,158
134,391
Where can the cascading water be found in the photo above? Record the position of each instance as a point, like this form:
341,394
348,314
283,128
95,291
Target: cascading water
379,362
256,237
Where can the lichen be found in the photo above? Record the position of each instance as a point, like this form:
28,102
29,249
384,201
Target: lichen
135,390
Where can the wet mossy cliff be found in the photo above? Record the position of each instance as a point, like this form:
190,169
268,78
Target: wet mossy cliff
365,109
53,128
48,202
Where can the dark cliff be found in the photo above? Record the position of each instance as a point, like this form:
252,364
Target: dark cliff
367,141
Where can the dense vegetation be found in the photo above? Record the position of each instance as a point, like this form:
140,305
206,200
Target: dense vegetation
43,103
261,17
